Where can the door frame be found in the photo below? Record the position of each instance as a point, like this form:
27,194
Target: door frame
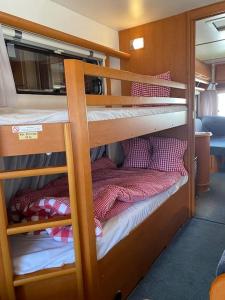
193,16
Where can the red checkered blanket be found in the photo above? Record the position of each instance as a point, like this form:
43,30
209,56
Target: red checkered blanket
114,190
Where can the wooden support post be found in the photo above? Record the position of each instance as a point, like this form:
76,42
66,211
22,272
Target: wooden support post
74,212
76,99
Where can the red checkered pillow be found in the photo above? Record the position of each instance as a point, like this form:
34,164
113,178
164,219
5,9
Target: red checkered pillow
168,154
150,90
137,153
103,163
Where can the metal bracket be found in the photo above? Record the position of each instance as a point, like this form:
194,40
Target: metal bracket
18,34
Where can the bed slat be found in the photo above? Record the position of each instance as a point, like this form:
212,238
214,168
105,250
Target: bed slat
42,275
94,70
32,172
39,225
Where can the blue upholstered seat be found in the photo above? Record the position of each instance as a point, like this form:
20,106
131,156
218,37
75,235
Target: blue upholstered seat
216,125
217,145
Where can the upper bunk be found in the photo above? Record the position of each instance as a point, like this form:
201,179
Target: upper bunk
107,118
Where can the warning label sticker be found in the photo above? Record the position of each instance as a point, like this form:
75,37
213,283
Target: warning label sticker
26,128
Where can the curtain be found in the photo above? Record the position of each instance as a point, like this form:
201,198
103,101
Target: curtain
208,103
8,96
29,162
35,161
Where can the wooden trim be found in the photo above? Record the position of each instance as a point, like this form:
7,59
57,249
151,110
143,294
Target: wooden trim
207,11
191,114
110,131
101,100
94,70
30,26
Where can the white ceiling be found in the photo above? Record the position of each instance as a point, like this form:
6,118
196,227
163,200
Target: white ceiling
122,14
210,44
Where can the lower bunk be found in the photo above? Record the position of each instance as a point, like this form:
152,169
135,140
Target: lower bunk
149,225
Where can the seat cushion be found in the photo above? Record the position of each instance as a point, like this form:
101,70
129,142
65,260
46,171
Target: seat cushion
214,124
217,145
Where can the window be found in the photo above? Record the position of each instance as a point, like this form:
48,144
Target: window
221,104
41,71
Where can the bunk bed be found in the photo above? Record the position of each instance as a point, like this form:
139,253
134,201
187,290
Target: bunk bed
117,270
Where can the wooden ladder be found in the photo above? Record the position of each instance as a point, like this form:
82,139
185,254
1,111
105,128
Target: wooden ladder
7,230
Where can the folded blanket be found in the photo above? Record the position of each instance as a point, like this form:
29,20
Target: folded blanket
114,190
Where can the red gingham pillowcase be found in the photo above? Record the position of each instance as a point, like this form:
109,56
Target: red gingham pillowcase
150,90
136,89
137,153
168,154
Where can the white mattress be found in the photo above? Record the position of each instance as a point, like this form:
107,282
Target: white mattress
10,116
33,253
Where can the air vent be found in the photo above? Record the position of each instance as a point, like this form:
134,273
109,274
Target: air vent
218,23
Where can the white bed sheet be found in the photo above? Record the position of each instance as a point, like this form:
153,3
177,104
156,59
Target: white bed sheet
10,116
33,253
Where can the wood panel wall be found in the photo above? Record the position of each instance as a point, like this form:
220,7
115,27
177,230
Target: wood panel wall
164,48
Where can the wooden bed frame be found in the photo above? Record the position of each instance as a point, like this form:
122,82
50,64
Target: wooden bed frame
126,263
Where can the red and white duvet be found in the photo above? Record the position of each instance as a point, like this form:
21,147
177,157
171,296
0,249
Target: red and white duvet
114,190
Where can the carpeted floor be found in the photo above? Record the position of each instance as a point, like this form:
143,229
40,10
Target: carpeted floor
185,270
210,205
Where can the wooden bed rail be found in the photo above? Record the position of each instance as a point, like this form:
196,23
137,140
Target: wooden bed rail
109,131
101,100
93,70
